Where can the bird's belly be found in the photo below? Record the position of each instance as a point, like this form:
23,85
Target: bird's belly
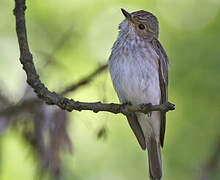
136,81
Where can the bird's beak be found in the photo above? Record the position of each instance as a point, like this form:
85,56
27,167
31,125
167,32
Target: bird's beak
126,14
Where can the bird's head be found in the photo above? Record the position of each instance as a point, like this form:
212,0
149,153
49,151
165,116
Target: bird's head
140,23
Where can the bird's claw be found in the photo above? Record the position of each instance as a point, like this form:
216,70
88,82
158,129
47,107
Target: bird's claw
170,106
126,103
149,114
149,106
125,108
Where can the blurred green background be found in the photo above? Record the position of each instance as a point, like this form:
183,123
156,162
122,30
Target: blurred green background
189,31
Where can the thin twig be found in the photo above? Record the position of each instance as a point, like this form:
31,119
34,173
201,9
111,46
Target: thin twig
85,80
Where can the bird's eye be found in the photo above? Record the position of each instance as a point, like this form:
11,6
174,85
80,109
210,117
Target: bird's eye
141,26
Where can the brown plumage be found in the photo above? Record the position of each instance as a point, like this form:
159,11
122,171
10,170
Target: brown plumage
139,70
163,75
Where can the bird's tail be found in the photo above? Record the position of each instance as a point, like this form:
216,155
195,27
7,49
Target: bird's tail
147,131
154,159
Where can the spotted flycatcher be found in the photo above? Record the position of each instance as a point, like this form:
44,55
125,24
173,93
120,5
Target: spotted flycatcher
139,71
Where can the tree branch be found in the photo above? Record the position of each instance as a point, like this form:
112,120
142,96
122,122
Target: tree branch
53,98
85,80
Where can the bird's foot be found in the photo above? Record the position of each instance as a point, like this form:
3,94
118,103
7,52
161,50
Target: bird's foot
125,107
149,106
170,106
127,103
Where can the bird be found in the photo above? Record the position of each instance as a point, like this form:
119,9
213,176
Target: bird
139,66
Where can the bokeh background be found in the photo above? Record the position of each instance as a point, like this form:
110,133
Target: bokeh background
69,39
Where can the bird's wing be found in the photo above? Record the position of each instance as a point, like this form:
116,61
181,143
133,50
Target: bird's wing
135,126
163,78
